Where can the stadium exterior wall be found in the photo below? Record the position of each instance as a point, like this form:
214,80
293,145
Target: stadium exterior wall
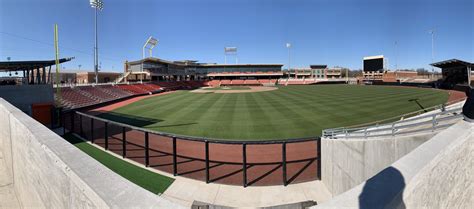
48,172
437,174
345,163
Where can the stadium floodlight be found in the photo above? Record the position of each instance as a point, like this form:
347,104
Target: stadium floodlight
230,51
288,45
149,44
98,5
432,32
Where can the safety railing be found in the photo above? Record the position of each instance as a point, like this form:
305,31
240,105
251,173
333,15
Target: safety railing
234,162
422,123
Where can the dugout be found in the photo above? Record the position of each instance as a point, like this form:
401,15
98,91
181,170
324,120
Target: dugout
28,85
455,73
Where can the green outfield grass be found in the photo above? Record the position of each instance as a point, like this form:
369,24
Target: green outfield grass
146,179
289,112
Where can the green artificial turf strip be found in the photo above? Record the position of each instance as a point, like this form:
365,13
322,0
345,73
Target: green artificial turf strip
146,179
289,112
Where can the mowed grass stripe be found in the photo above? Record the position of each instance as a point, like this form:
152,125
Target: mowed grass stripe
289,112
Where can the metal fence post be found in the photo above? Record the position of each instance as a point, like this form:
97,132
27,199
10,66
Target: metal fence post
72,122
124,143
244,163
81,132
62,122
92,130
283,156
106,137
147,151
206,143
434,122
175,163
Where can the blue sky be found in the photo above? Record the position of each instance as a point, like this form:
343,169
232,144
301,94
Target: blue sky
332,32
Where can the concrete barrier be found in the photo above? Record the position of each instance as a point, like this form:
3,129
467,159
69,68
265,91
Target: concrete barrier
436,174
345,163
48,172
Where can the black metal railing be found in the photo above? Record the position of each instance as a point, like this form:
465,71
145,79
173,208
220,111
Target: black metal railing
206,159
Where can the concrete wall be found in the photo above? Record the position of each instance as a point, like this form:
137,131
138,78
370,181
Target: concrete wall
437,174
345,163
22,96
48,172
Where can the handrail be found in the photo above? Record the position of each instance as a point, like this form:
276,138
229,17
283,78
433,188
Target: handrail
402,116
396,128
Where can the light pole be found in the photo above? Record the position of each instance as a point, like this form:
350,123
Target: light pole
288,45
432,32
396,60
149,44
97,5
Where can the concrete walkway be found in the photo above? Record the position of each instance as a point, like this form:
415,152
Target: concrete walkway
8,198
184,191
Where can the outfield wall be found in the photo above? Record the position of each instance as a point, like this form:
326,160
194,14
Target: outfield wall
436,174
48,172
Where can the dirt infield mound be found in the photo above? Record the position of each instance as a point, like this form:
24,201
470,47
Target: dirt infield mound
250,89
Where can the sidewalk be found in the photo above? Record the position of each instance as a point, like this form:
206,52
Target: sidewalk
184,191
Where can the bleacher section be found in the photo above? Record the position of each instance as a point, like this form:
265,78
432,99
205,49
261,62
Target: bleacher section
241,82
82,96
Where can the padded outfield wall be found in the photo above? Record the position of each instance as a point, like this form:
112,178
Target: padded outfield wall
48,172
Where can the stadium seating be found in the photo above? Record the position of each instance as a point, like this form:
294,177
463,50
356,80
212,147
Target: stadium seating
82,96
114,91
94,92
226,82
72,98
134,88
252,82
214,83
238,82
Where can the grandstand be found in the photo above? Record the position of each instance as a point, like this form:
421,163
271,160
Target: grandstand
159,70
78,96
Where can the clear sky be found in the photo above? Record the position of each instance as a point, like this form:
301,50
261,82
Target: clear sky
333,32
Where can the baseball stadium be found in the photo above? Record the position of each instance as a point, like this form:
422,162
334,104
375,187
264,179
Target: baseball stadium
162,133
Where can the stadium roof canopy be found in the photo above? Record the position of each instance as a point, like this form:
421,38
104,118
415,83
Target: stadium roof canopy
195,63
29,65
452,63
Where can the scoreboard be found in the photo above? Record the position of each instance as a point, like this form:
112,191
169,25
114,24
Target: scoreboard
374,63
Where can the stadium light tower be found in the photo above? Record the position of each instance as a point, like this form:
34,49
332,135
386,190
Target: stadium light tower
288,45
432,32
149,44
98,5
